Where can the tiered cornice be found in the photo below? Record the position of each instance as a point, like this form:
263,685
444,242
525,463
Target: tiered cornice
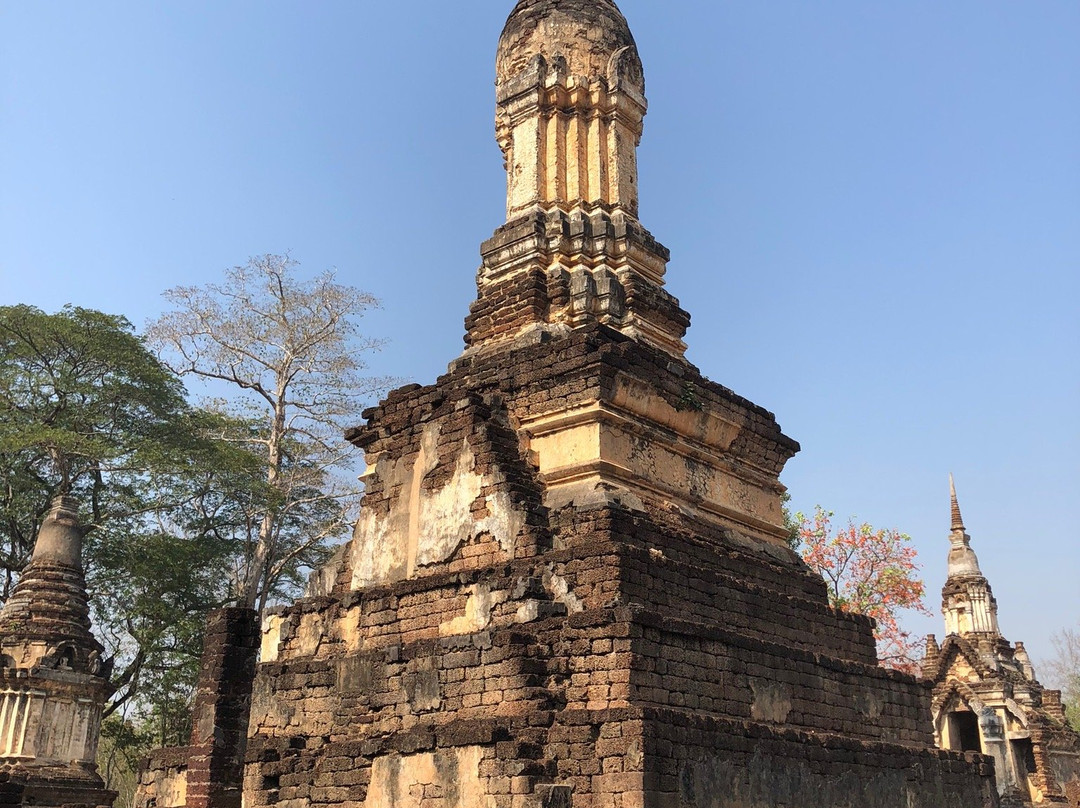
46,620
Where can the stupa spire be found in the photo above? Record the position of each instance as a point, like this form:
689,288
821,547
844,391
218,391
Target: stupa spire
967,601
55,680
957,519
569,113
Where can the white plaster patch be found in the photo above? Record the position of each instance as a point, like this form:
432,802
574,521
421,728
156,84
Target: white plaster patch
349,629
561,592
477,615
446,515
271,638
310,634
444,779
427,527
374,558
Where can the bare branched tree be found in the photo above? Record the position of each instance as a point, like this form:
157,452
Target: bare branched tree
1063,670
292,352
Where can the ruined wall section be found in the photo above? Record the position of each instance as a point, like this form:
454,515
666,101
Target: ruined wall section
557,696
699,761
208,773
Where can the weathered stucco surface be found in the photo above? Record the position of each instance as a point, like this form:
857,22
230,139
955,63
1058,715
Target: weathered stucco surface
443,779
641,448
477,614
424,527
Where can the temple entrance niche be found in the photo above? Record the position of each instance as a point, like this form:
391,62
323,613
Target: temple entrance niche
964,731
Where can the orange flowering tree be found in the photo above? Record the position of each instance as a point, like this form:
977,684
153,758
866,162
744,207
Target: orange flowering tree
868,571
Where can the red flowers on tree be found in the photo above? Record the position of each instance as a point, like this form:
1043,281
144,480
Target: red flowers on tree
871,572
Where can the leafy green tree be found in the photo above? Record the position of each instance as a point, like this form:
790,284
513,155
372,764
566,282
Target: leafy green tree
176,499
87,410
80,399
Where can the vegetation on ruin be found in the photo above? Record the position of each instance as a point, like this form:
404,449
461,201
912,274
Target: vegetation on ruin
868,571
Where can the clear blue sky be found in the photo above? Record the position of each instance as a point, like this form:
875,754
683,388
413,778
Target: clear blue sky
873,210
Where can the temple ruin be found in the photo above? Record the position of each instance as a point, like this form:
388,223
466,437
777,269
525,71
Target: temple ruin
986,696
570,584
54,680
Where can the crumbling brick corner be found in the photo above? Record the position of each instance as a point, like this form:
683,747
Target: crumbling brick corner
208,773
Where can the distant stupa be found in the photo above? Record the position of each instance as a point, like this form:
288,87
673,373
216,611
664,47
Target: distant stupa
986,696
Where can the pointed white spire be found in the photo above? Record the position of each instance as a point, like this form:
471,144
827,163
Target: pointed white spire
967,600
957,519
962,559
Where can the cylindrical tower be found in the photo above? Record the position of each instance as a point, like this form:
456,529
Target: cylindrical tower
570,91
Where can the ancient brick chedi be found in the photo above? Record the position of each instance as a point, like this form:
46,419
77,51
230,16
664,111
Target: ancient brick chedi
986,696
570,585
54,683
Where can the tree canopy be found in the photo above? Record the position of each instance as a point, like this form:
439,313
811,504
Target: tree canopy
81,398
868,571
185,508
87,410
293,356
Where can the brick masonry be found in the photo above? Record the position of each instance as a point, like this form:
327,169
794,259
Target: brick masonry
208,773
619,656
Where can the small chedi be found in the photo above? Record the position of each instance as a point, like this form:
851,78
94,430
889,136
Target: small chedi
53,678
570,584
986,696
